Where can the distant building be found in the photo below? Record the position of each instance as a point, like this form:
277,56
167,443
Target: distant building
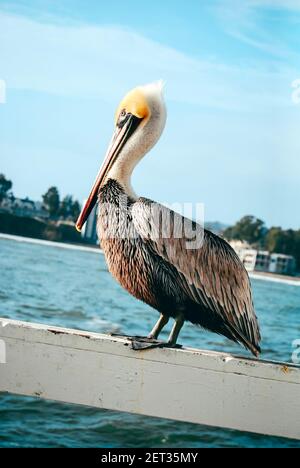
282,264
248,257
262,260
23,207
239,246
89,230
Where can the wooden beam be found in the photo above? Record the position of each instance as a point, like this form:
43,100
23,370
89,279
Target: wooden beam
192,385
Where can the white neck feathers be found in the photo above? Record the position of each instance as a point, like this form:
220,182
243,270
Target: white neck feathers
142,140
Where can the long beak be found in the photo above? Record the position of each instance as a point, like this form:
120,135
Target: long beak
121,135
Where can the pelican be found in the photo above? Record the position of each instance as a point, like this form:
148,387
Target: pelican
205,284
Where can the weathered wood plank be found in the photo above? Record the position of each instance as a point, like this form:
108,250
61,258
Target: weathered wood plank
183,384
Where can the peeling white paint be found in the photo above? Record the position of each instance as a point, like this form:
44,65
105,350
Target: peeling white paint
227,359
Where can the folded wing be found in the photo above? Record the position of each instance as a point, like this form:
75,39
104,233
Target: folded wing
210,271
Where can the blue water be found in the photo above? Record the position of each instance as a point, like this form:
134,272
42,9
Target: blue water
73,289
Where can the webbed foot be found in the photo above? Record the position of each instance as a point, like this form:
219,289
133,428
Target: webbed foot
129,337
139,343
146,343
151,343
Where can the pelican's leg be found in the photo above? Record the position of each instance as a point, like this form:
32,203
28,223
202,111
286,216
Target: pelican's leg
161,322
153,335
151,340
153,343
179,321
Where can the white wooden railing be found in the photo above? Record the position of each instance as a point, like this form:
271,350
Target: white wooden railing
183,384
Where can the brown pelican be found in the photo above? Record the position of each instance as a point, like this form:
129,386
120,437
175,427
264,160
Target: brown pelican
205,284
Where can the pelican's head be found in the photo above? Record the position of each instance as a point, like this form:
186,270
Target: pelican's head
139,121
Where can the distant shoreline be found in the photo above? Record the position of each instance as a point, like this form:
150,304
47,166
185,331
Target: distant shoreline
294,281
275,278
59,245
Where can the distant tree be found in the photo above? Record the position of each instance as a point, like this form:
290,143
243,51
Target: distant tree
296,248
249,229
69,208
275,239
285,242
51,201
76,208
65,207
5,186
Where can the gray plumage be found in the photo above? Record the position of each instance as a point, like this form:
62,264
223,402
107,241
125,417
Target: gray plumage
207,285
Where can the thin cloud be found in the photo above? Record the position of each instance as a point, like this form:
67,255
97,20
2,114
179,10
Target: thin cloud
104,62
244,21
280,4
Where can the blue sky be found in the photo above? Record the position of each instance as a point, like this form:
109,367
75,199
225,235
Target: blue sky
232,136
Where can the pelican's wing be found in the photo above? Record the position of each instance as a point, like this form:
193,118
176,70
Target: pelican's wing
211,272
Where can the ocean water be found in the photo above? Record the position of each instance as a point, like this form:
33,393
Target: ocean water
73,289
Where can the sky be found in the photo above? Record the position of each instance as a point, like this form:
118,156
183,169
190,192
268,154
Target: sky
230,69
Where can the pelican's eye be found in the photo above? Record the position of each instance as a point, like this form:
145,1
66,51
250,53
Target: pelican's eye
123,117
